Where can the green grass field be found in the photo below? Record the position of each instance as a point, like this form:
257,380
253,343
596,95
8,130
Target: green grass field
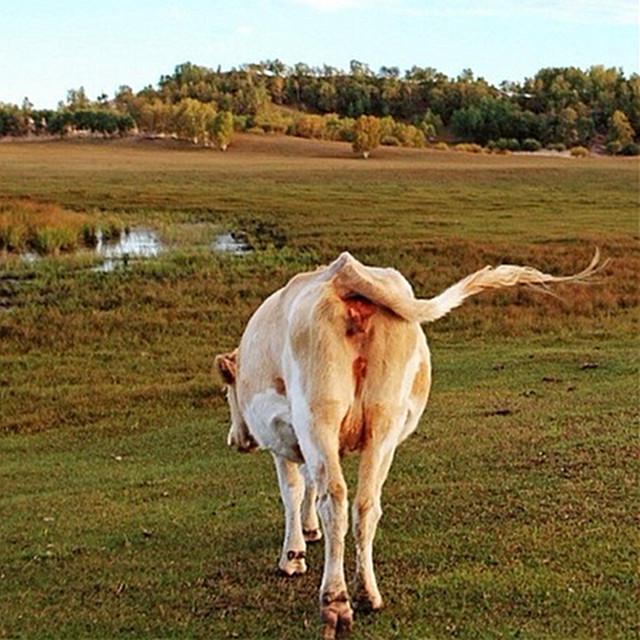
511,513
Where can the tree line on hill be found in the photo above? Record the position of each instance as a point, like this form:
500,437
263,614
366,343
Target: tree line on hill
558,107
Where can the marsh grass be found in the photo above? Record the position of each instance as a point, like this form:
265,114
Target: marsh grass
509,514
48,229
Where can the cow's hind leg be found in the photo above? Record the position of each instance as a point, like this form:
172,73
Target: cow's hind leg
318,438
335,605
292,559
366,512
310,525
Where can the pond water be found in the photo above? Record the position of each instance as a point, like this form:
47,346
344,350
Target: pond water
231,243
136,243
141,242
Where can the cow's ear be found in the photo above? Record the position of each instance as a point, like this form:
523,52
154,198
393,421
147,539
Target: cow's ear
227,366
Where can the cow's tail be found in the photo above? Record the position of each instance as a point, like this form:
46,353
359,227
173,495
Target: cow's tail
428,310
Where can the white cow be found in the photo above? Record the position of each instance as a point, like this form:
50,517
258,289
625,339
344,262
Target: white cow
335,362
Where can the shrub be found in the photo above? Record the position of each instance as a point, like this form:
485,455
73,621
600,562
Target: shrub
468,147
408,135
310,126
556,146
531,144
257,131
390,141
579,152
240,123
346,133
513,144
387,127
501,144
630,149
272,121
506,144
614,147
332,126
441,146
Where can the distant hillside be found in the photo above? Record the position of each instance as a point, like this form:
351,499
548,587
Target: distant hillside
558,106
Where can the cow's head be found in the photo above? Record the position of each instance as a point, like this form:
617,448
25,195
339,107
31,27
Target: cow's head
239,436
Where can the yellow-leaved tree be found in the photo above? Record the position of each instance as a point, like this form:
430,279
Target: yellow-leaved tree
366,135
620,129
222,129
191,120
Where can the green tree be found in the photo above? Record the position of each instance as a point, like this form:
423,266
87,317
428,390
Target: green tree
430,124
586,130
10,120
60,123
77,99
567,129
633,110
155,117
366,135
493,118
125,123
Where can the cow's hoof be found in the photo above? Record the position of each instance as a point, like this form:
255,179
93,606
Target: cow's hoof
294,564
245,446
337,615
366,603
312,535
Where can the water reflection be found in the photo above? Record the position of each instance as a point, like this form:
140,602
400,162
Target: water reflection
231,243
136,243
141,242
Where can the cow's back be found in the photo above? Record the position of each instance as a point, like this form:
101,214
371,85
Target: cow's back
356,360
351,362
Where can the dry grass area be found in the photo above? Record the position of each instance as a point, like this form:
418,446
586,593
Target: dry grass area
510,514
44,228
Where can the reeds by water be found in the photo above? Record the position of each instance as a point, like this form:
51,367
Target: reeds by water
48,229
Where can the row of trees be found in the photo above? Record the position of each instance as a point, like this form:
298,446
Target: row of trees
363,91
198,122
188,119
25,120
566,106
493,119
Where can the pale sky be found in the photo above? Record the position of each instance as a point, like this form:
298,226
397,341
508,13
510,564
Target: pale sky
50,46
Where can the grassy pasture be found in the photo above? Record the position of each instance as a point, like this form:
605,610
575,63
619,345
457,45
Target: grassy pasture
509,514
